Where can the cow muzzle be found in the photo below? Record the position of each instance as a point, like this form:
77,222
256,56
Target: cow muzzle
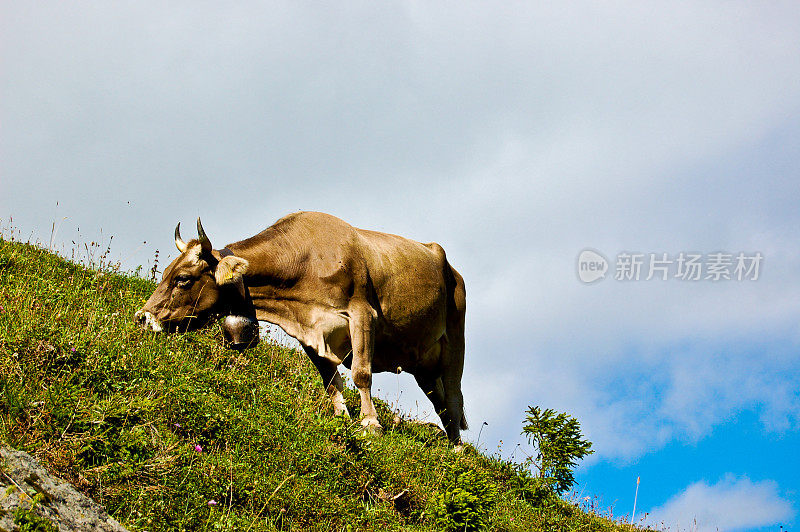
147,321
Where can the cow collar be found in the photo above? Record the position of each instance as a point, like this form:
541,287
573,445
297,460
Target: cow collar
239,324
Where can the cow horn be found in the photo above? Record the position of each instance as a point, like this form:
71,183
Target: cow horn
201,236
181,245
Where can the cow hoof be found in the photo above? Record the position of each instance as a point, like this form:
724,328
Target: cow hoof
371,426
372,430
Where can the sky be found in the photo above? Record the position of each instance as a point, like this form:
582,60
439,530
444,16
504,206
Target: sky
515,135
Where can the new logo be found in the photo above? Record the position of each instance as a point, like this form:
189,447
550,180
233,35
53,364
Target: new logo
592,266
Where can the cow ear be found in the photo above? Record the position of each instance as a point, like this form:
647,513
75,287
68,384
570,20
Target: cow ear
230,269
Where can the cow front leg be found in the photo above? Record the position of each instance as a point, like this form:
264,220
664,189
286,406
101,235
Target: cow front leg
331,380
362,338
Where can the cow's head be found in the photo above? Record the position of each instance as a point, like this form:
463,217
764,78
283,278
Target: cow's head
199,285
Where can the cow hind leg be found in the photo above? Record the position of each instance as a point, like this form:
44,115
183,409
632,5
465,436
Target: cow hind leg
331,380
444,390
434,389
451,381
454,400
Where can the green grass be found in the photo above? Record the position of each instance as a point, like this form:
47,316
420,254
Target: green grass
119,411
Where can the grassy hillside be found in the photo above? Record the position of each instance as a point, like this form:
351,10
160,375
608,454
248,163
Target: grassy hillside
172,432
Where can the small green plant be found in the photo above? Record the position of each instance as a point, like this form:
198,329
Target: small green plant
29,521
466,503
559,445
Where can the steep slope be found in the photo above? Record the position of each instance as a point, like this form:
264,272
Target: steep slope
172,432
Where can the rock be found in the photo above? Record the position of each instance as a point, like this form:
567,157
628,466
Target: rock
22,478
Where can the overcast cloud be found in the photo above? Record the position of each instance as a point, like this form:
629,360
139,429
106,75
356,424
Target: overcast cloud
515,136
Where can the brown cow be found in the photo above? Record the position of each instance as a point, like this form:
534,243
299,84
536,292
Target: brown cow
372,301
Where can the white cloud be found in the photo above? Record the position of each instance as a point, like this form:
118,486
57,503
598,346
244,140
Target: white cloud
514,136
730,504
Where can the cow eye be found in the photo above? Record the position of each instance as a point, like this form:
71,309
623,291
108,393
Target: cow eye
183,280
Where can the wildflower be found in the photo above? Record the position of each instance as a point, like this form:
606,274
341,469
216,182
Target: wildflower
72,350
198,448
177,425
212,502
